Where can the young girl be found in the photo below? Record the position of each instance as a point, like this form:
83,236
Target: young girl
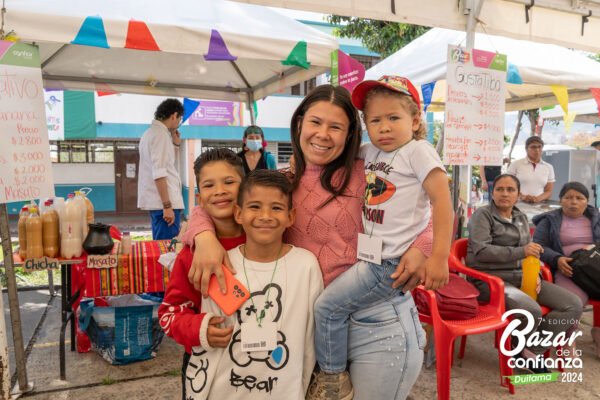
405,177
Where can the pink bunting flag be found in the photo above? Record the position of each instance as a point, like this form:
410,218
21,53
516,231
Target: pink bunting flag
596,94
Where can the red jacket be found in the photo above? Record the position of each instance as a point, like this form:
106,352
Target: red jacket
179,314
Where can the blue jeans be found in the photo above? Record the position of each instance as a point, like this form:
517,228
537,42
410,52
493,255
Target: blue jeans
385,349
160,229
364,284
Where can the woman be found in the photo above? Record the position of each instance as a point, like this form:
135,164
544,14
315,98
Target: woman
499,240
560,232
329,187
253,154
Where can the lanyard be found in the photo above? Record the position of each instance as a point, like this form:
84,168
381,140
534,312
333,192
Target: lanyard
261,316
374,175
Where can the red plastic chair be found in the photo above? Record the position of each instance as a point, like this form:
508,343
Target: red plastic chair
446,331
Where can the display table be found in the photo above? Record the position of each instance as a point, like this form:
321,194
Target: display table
138,272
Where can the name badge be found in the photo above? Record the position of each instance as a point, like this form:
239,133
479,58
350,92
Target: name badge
369,248
259,338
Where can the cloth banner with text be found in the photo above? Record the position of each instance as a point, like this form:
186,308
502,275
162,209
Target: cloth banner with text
474,117
25,167
345,70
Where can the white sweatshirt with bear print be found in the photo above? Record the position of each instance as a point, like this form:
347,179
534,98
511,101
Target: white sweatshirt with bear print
282,373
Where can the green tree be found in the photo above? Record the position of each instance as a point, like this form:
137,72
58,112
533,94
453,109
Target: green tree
382,37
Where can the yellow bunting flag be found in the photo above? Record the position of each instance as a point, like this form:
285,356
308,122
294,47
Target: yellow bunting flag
562,95
568,120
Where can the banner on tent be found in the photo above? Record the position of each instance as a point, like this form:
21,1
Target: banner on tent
217,113
474,119
25,168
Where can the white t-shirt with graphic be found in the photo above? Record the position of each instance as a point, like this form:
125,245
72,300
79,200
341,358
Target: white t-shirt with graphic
397,208
283,373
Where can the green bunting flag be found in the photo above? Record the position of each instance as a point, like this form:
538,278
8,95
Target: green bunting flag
298,56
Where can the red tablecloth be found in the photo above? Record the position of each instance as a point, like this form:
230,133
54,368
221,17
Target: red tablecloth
138,272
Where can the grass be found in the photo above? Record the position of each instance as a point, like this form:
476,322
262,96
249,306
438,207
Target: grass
107,380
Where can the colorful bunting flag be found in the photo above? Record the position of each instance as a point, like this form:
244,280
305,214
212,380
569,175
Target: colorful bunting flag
298,56
255,110
568,120
189,106
427,91
596,94
217,49
513,75
562,95
92,33
139,37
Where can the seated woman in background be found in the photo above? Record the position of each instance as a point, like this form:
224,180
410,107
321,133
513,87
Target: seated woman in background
499,240
560,232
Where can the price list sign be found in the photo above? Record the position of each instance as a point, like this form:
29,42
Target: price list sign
475,100
25,168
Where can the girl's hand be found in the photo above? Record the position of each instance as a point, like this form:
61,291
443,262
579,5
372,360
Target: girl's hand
209,255
218,337
409,272
564,267
436,272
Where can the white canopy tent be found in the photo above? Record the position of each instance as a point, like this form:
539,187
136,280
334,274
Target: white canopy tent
569,23
181,32
424,60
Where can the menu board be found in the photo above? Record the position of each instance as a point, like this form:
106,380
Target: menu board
25,168
475,100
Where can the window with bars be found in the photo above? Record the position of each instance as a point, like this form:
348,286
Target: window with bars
284,151
83,151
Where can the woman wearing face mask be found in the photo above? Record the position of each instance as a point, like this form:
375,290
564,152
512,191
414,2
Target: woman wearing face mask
253,155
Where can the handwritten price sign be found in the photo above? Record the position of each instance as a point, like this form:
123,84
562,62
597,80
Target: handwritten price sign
25,167
474,124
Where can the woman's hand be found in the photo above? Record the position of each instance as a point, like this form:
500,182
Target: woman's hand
218,337
410,272
533,249
564,267
209,255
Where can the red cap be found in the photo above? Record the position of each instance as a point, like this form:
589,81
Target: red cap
395,83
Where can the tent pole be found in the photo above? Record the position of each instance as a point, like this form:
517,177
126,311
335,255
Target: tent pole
13,300
250,108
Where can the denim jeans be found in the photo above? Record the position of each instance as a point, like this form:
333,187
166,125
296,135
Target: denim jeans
160,229
364,284
385,349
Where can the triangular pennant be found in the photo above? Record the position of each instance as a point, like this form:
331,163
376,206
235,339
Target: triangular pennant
92,33
562,95
596,94
4,46
513,75
298,56
255,110
427,91
189,106
139,37
217,49
568,120
103,89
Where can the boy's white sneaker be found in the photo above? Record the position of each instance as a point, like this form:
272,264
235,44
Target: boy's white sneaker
331,387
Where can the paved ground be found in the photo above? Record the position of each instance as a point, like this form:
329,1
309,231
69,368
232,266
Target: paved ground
89,377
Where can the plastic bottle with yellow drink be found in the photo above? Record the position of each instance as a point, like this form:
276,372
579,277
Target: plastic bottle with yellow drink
531,272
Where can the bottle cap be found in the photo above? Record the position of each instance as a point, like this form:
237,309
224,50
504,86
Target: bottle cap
25,208
48,203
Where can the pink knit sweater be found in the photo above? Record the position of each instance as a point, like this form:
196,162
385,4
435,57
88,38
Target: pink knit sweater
329,232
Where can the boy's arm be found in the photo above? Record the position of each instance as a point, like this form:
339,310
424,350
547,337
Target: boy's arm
201,234
436,266
179,314
199,222
315,289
